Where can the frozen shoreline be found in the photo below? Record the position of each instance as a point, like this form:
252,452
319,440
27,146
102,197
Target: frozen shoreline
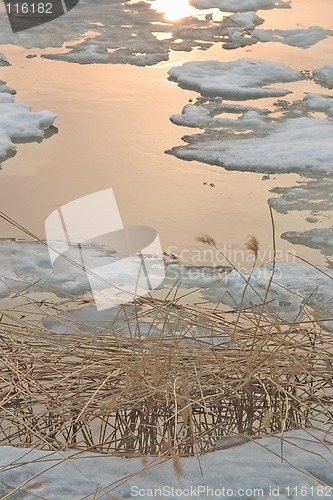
294,286
256,466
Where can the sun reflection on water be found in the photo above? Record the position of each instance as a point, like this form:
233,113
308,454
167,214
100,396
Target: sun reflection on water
174,10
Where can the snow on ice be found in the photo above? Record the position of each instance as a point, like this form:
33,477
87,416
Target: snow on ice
310,149
116,33
27,264
241,5
17,121
253,138
293,286
320,238
314,196
240,31
287,136
303,38
239,80
324,76
3,60
254,466
132,33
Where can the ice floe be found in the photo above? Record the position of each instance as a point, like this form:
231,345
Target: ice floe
135,33
135,321
27,264
245,20
137,38
241,5
17,121
287,137
314,196
25,267
324,76
314,102
296,145
238,80
90,320
208,113
240,31
236,29
319,238
303,38
260,471
115,33
294,285
3,60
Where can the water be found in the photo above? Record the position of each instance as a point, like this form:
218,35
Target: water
113,128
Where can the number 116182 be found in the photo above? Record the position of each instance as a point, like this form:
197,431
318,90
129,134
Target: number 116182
29,8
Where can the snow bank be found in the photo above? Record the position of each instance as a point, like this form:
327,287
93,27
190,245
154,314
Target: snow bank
251,466
240,5
237,80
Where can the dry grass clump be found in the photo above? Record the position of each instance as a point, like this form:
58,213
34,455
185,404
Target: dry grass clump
162,394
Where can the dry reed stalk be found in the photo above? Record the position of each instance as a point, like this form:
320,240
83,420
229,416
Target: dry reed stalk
131,396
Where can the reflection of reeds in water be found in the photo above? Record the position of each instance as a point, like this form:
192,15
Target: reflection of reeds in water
164,379
162,394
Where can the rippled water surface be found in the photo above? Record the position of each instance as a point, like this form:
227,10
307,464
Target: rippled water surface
113,129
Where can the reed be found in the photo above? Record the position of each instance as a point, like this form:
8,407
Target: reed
173,394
